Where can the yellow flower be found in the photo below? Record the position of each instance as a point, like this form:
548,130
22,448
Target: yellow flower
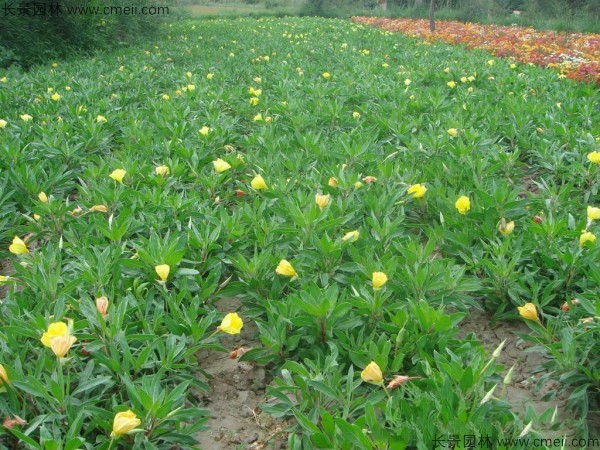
55,330
417,190
124,422
56,96
118,175
513,66
18,247
258,183
379,279
204,130
451,84
231,324
506,228
221,166
332,182
3,375
358,184
163,271
593,213
268,119
3,123
452,132
407,82
356,114
254,101
257,79
43,197
101,119
490,62
61,345
286,269
528,311
37,217
166,97
463,204
25,117
372,373
471,78
594,157
162,171
99,208
191,87
586,236
326,75
351,236
3,279
189,74
258,117
447,69
322,200
209,76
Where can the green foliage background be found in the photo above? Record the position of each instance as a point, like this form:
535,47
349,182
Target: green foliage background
26,40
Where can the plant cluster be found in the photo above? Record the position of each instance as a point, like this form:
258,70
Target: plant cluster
358,190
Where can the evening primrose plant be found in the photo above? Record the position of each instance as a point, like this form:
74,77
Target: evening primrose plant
357,222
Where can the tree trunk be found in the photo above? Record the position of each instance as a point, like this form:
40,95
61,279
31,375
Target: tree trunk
383,4
431,18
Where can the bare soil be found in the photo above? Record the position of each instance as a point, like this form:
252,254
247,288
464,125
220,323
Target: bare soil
236,421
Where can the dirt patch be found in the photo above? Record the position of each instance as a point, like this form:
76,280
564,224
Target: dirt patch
236,389
523,391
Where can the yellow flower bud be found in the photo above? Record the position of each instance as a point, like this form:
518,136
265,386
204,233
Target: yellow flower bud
204,130
594,157
586,236
351,236
43,197
452,132
163,271
18,247
372,373
332,182
101,119
593,213
3,375
99,208
118,175
463,204
258,183
322,200
221,166
231,324
124,422
528,311
162,171
326,75
286,269
379,279
417,190
506,228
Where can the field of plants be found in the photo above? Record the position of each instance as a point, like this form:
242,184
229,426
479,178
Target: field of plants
350,195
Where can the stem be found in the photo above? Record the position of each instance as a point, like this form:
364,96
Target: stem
385,389
112,440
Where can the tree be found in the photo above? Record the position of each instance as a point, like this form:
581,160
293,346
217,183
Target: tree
431,17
